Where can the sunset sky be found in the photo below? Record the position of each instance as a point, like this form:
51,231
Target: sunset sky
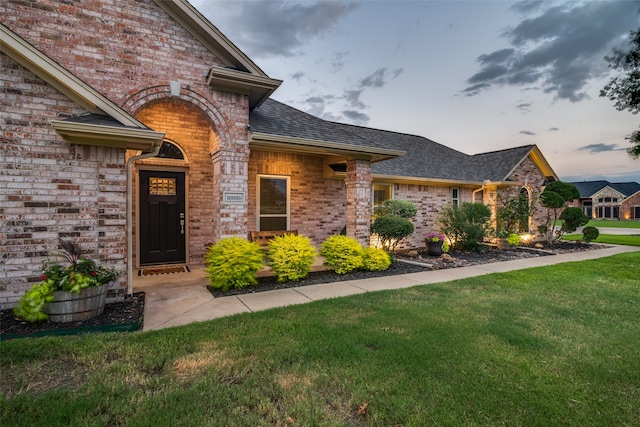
476,76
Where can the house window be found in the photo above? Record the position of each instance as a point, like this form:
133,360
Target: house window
273,203
636,212
455,196
170,151
381,192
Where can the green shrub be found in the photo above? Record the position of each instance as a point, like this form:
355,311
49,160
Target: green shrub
291,257
32,302
343,254
573,218
391,222
589,234
396,207
513,239
465,225
375,259
391,229
233,263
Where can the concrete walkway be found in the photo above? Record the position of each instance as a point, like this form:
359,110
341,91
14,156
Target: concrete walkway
182,298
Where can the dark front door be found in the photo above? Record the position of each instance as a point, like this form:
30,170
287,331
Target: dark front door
162,217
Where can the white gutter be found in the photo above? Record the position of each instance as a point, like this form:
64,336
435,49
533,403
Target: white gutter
156,150
484,184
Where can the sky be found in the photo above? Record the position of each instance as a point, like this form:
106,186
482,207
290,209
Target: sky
476,76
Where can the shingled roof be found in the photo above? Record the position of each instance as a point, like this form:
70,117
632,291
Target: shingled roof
424,158
588,188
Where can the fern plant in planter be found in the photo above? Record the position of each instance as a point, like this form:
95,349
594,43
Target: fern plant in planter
67,293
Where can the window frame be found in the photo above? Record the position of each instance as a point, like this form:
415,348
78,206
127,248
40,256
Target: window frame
287,215
455,200
373,193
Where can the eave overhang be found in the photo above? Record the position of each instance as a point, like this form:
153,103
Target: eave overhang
61,79
311,146
416,180
144,140
258,88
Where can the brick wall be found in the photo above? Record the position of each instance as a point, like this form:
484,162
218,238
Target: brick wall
188,129
528,175
429,199
628,207
318,207
127,50
50,189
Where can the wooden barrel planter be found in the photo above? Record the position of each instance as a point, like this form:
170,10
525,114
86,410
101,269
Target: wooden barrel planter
72,307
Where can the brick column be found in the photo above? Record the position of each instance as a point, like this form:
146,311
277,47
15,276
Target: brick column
230,174
358,183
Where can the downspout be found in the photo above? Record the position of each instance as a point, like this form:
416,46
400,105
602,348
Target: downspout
484,184
156,150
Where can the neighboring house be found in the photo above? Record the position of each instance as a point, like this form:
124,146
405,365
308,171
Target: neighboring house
141,132
609,200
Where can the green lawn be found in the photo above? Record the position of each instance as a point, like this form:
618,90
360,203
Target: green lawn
613,224
557,345
611,239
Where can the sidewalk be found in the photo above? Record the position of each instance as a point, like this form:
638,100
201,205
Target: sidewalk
182,298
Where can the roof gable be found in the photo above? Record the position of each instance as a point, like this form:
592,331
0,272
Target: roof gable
107,124
588,189
241,75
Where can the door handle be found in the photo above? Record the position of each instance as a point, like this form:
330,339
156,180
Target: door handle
182,226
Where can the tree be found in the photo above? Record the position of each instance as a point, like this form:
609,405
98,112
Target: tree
555,197
624,89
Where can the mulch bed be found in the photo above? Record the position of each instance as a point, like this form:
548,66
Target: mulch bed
129,314
117,317
460,259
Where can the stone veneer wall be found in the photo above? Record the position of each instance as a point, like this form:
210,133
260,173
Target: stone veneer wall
318,205
50,189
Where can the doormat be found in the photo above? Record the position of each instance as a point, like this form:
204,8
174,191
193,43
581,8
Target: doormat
147,271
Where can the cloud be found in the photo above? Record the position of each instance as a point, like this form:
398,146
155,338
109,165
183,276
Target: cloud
526,132
552,129
558,51
524,107
297,76
356,117
599,148
378,77
266,29
338,60
353,97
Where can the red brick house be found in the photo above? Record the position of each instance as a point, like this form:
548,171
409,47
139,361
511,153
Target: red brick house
140,131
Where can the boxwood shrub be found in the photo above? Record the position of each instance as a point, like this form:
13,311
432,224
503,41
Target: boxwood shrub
343,254
375,259
291,257
233,263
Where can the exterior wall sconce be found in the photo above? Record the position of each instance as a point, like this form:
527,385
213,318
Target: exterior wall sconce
175,88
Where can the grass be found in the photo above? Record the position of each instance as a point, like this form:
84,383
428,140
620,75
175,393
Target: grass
610,239
556,345
614,224
608,223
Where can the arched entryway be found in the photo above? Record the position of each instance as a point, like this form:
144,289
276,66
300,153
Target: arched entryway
174,198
